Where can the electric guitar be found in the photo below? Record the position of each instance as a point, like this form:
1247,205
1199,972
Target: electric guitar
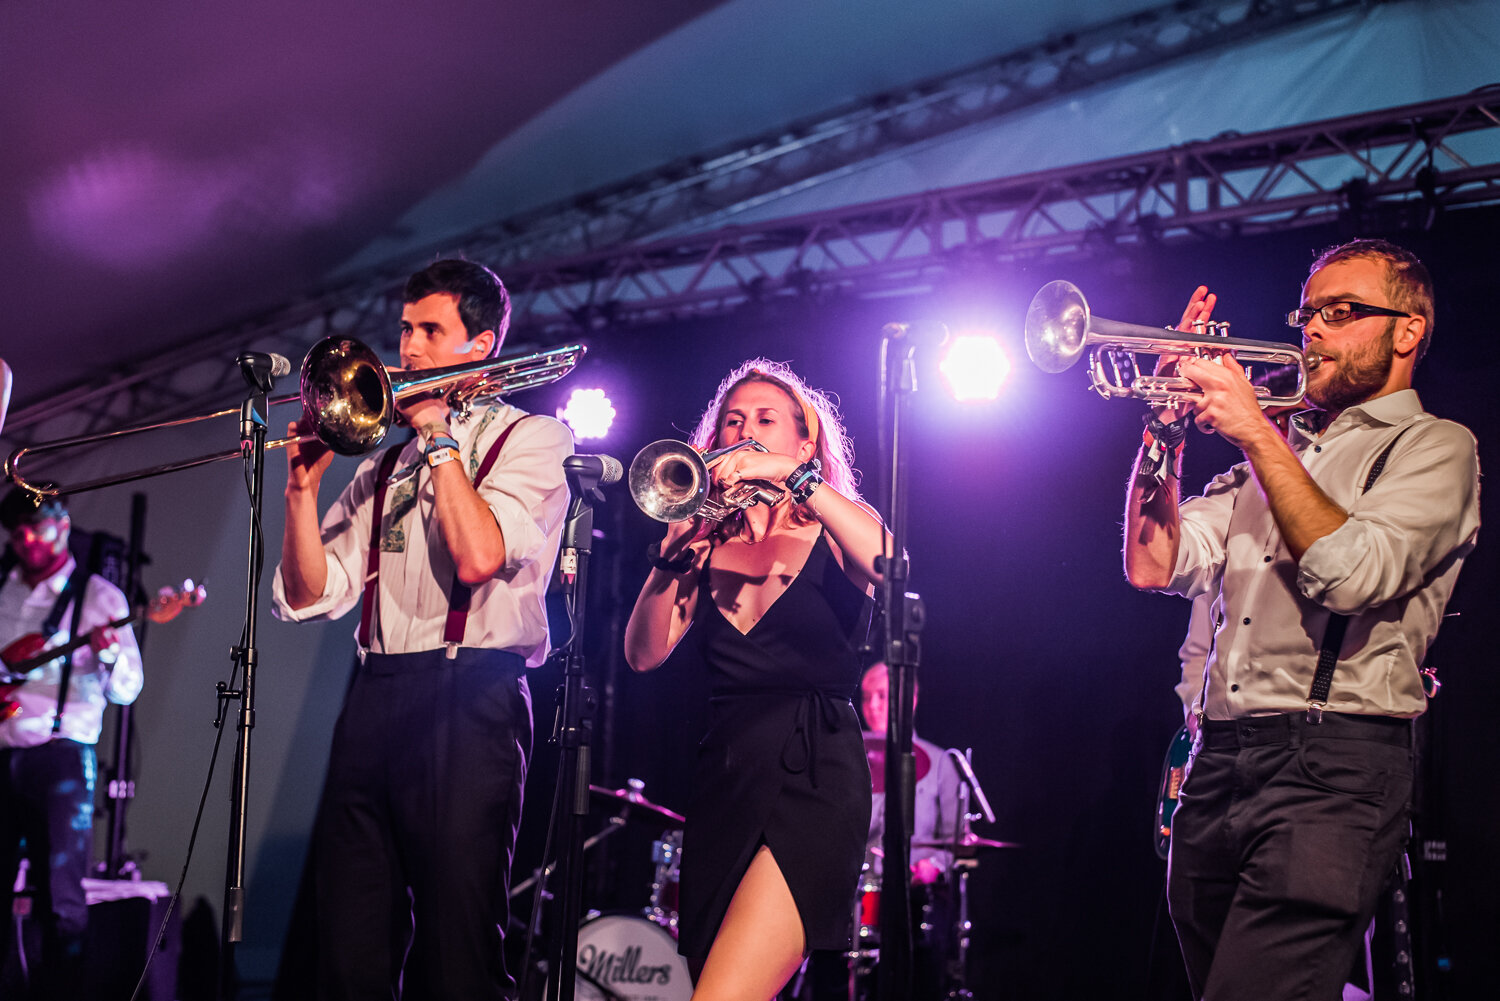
24,655
1172,769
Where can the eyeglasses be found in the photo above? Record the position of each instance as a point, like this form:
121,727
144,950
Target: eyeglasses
1338,312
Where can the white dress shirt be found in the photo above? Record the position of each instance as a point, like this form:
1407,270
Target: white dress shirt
1391,566
24,610
529,497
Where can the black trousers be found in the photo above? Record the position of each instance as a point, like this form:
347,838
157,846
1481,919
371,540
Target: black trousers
1284,836
417,828
47,797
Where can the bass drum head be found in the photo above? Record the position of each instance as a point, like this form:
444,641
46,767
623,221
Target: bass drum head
632,956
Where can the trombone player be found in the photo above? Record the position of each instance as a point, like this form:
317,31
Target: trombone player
1347,537
446,544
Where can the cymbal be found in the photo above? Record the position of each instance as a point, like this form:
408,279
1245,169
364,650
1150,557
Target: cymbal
969,847
632,800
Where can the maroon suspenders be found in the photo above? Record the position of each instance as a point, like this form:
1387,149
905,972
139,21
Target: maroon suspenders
383,473
460,595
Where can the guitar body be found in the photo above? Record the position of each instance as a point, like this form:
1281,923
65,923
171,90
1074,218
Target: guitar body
1172,770
17,651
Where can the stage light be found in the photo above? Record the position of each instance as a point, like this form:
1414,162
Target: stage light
589,413
974,367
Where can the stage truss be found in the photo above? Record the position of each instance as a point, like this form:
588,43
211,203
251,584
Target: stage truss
1404,164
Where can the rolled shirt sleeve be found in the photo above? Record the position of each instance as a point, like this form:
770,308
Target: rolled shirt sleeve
528,494
346,533
1204,520
1422,512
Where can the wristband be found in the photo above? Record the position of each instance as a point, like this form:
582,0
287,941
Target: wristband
437,441
437,456
1163,444
804,480
681,564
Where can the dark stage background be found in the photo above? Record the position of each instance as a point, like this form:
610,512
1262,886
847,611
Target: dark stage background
1037,653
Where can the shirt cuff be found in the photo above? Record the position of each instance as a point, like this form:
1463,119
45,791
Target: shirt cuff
1330,560
322,608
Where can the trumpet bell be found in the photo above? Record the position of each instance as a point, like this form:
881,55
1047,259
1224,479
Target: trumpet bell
346,395
1057,326
669,480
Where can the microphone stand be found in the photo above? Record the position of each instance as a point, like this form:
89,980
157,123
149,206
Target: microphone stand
573,731
253,449
904,615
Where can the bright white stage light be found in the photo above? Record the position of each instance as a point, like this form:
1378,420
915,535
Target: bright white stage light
589,413
974,368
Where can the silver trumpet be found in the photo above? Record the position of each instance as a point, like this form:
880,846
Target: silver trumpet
1059,327
669,481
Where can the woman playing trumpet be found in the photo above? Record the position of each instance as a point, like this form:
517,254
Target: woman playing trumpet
776,599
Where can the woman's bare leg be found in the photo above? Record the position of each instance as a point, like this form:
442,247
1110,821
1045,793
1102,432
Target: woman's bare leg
760,943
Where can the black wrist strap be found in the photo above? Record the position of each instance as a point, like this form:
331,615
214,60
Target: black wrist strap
1165,445
1333,636
681,564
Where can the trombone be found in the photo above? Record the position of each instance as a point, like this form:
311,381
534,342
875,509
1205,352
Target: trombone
348,399
1059,328
669,481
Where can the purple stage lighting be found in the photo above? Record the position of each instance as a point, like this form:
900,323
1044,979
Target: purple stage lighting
974,367
589,413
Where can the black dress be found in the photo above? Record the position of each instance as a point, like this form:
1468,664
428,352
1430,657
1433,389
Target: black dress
783,762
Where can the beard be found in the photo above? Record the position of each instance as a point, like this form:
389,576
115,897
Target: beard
1360,372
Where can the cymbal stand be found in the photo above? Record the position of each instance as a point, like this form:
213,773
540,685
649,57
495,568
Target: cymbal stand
958,969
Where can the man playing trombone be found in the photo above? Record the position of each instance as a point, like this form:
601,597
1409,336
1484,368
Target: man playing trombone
1338,546
447,543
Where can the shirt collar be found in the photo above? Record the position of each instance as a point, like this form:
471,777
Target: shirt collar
54,583
1388,410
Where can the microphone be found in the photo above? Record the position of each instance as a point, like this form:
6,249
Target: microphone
593,470
962,760
262,368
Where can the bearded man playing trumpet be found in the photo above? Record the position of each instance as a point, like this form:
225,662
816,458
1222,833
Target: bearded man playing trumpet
1339,544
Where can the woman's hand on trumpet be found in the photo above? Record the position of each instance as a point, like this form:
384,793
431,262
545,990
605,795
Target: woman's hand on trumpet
749,464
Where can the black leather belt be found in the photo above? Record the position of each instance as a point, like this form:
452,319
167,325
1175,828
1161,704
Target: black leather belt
1255,731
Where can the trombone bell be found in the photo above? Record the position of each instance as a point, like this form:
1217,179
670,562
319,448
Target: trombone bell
1060,327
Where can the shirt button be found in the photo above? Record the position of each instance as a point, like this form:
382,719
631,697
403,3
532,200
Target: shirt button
1268,559
1235,688
1246,620
1317,448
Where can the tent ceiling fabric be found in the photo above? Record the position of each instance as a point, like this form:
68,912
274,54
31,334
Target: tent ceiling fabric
176,164
181,168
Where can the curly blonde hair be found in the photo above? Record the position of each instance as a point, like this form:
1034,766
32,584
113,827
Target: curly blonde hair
833,448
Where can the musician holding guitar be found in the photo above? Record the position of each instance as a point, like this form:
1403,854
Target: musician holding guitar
47,762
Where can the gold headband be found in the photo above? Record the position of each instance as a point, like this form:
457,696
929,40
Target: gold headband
809,415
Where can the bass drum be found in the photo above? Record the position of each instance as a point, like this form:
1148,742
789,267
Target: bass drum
632,956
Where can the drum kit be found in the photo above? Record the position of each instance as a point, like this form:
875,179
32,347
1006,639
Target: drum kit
633,956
